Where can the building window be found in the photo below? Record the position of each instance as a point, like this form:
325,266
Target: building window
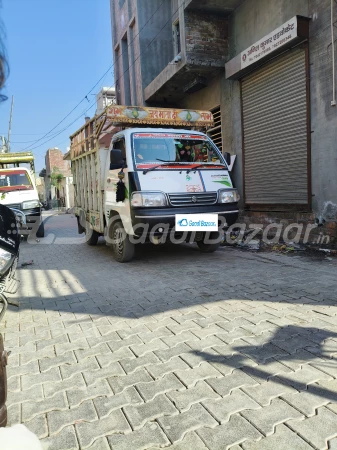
215,133
176,38
126,71
121,3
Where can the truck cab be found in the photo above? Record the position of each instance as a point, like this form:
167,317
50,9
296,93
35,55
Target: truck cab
18,189
167,172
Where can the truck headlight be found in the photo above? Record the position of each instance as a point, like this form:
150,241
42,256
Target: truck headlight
228,196
150,199
31,204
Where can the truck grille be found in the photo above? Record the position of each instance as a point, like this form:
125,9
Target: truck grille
193,199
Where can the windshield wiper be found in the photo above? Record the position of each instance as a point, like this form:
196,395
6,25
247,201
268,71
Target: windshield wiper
165,163
194,168
205,164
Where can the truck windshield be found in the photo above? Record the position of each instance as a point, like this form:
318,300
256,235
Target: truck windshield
14,180
149,148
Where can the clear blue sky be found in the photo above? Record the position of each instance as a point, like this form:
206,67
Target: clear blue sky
57,51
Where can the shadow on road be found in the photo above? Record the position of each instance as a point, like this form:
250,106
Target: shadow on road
315,353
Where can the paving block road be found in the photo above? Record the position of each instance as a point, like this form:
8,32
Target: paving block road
176,349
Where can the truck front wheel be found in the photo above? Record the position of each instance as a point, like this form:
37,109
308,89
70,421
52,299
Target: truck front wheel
210,247
40,231
123,250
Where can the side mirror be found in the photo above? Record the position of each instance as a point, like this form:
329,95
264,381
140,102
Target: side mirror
116,159
227,157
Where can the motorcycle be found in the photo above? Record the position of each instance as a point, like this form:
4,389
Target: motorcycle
10,222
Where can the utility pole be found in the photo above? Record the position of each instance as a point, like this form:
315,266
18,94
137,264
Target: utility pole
10,126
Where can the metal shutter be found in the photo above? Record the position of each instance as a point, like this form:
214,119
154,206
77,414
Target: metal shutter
274,105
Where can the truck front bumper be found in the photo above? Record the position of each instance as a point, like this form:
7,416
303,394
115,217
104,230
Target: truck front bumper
151,218
33,216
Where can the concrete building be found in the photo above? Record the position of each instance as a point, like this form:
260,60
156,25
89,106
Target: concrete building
266,68
106,97
142,45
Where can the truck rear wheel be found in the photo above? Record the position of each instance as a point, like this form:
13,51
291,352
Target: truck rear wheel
209,247
91,236
123,250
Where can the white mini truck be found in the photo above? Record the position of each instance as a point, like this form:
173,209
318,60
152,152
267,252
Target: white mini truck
137,170
18,190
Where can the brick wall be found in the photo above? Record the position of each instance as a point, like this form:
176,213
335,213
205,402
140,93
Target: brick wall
206,38
54,158
321,234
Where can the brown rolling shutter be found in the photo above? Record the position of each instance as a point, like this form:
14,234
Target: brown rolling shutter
274,106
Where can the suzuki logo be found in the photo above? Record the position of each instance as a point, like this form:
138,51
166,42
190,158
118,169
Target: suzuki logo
194,199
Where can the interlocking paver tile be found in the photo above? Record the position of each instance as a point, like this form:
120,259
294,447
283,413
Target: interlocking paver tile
66,439
227,365
119,383
143,349
166,355
139,415
107,359
68,371
190,376
269,369
317,430
159,370
194,359
88,432
92,376
33,393
51,388
206,343
77,396
39,426
191,441
261,353
266,419
307,402
100,349
222,409
303,377
49,363
106,404
265,392
159,333
237,379
184,399
58,420
124,343
176,427
283,439
131,365
166,384
29,380
13,370
147,437
223,437
56,403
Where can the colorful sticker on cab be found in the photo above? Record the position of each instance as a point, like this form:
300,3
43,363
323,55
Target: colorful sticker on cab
222,179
